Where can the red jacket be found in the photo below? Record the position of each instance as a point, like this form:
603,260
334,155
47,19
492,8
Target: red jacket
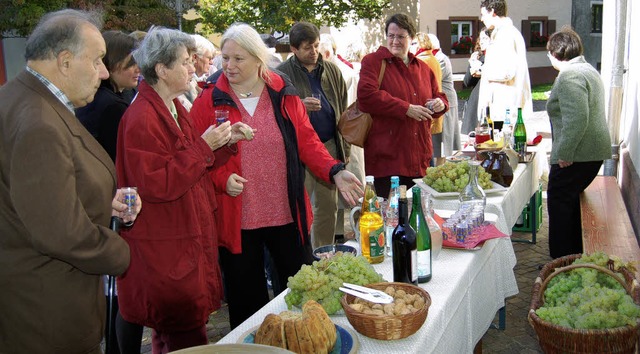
302,146
397,144
173,282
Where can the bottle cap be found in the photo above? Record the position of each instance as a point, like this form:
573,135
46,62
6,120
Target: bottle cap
369,179
395,178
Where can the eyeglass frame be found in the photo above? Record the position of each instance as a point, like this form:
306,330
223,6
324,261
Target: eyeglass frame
394,36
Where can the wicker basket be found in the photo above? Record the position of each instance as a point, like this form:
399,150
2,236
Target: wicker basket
558,339
387,327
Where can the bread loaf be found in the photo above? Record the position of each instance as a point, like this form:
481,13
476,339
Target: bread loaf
311,331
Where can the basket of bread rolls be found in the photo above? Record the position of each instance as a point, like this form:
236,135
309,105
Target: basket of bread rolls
399,319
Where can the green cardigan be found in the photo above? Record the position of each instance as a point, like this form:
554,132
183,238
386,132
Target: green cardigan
576,109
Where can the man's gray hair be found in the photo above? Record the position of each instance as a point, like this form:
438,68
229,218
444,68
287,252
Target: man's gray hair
249,39
161,46
203,45
59,31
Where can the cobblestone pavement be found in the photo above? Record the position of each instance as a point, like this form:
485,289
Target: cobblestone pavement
518,337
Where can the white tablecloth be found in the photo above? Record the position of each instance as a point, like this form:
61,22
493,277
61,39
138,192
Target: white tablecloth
467,289
508,204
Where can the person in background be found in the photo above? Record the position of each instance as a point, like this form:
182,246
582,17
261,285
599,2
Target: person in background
174,281
202,59
101,118
327,49
261,189
311,74
472,76
399,142
448,140
505,74
581,140
57,190
425,53
270,41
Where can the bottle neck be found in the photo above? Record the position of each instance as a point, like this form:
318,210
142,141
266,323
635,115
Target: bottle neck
473,174
370,198
416,203
403,211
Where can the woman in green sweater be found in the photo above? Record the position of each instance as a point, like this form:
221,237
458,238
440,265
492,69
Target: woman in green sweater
581,139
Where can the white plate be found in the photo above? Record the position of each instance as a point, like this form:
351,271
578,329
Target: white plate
242,348
458,158
419,182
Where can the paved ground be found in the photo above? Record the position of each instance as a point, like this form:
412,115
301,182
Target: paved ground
518,337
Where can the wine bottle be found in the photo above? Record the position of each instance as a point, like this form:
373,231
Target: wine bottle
490,123
372,237
405,253
418,222
520,136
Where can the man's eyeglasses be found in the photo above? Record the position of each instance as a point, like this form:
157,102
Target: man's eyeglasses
400,38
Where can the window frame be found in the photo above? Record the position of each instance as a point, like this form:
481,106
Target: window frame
443,31
600,5
548,27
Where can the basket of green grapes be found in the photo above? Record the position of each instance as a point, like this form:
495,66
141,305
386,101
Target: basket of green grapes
453,177
586,304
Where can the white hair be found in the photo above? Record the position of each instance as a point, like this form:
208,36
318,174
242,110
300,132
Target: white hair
435,42
249,39
203,45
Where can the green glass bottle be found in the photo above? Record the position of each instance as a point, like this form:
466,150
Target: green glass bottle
520,136
418,222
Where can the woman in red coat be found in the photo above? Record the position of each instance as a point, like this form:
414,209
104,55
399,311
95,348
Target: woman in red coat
173,282
261,189
399,141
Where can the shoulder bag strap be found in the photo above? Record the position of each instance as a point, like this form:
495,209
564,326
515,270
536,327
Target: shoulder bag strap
384,66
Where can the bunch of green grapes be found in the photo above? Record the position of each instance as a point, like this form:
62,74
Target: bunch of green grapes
587,299
320,281
453,177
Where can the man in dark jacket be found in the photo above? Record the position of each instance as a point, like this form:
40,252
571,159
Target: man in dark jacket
324,93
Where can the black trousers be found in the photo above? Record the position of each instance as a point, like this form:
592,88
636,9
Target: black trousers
563,205
244,276
126,337
383,184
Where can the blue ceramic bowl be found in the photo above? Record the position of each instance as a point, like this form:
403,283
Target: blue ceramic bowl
329,250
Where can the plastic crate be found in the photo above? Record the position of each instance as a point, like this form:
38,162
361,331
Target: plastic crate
527,214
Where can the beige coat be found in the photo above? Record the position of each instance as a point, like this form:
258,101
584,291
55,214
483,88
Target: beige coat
505,74
56,188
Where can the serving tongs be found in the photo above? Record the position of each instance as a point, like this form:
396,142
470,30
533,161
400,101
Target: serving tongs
372,295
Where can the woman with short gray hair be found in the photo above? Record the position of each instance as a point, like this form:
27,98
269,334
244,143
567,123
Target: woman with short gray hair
174,281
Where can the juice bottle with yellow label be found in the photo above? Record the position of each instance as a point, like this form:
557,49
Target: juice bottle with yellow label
372,238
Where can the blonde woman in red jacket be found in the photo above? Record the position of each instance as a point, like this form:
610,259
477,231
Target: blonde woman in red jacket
260,190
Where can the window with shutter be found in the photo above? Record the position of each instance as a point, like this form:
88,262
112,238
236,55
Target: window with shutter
536,31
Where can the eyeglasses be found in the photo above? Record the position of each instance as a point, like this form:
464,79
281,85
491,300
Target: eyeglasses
393,37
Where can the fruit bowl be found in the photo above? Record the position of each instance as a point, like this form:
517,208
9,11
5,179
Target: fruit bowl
329,251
